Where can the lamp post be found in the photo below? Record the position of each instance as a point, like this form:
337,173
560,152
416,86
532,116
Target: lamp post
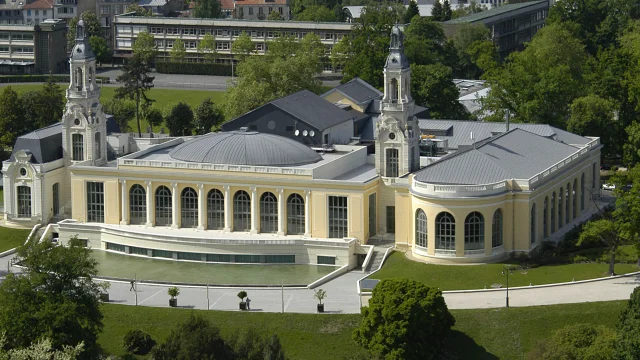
505,271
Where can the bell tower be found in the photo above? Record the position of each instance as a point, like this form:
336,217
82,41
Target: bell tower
397,133
84,127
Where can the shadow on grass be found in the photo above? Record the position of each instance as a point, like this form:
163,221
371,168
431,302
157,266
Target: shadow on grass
460,346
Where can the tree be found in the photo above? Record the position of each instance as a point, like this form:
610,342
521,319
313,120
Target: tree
101,49
243,46
153,117
178,52
207,47
145,47
91,24
412,11
405,319
11,112
275,16
425,43
136,82
627,346
592,114
41,350
139,10
484,56
122,110
53,100
207,116
179,119
437,11
32,110
609,231
194,339
632,145
316,13
465,41
432,86
578,341
472,8
446,11
54,297
207,9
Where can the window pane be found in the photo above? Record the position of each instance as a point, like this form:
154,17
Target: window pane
95,202
474,231
338,217
189,202
295,215
268,213
24,201
241,211
163,206
445,232
215,210
137,205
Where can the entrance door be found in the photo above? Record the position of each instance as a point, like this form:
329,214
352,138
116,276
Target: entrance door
391,219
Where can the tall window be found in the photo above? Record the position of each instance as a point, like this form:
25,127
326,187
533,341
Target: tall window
391,219
268,213
241,211
372,214
189,208
295,215
582,191
392,162
553,212
474,231
567,202
573,197
338,217
593,176
215,210
533,223
95,202
137,205
56,198
79,79
560,196
496,229
164,216
24,201
545,213
421,228
445,231
78,147
97,146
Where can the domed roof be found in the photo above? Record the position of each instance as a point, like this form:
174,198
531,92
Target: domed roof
245,148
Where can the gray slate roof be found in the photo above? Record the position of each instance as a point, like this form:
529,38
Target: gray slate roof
44,144
312,109
245,148
517,154
357,90
497,11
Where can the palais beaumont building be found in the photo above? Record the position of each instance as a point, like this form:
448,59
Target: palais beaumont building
305,179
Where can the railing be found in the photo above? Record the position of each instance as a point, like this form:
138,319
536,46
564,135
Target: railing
563,163
217,167
436,190
82,93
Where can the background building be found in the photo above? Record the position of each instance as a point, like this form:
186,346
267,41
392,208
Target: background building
29,49
11,12
66,9
38,11
260,9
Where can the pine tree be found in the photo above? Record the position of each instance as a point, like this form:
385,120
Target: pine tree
412,11
437,11
446,11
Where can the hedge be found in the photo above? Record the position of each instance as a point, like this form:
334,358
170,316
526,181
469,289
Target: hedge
40,78
193,68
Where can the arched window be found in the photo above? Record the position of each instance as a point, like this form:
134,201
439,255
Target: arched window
474,231
215,210
567,203
295,215
545,213
421,229
268,213
163,206
189,208
582,191
496,229
552,212
137,205
533,223
77,145
445,231
241,211
393,91
79,79
24,202
97,145
560,198
573,198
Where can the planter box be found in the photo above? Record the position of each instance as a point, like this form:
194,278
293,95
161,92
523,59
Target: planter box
243,306
173,302
320,308
104,297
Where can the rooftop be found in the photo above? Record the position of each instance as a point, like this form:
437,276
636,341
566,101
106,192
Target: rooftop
357,90
497,11
44,144
40,4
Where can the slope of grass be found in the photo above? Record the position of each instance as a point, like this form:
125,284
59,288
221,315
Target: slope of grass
451,277
10,238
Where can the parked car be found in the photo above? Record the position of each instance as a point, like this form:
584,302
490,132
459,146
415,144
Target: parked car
605,167
609,187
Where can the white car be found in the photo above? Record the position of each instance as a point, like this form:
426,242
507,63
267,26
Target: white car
609,187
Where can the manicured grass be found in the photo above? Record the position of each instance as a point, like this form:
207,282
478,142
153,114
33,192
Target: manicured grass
10,238
478,334
1,196
465,277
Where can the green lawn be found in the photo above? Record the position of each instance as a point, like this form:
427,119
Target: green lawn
10,238
465,277
478,334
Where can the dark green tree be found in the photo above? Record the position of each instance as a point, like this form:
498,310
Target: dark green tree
412,10
139,10
627,346
592,114
446,11
53,101
123,111
32,110
425,43
316,13
91,23
194,339
54,297
11,121
153,116
578,341
432,86
206,9
275,16
179,119
437,12
465,42
405,319
145,48
101,49
135,82
207,116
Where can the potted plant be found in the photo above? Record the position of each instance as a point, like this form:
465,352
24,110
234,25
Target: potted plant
243,305
320,295
104,294
173,292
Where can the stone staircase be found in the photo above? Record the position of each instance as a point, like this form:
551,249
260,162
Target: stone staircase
379,249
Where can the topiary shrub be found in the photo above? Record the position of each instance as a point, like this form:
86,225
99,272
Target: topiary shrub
138,342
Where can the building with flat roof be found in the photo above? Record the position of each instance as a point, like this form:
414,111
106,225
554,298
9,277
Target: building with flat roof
33,49
447,191
11,12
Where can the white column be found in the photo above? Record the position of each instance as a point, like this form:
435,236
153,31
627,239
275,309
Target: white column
227,208
150,206
125,213
307,213
201,207
174,205
254,210
280,211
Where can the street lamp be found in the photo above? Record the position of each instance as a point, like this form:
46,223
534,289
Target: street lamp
508,270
